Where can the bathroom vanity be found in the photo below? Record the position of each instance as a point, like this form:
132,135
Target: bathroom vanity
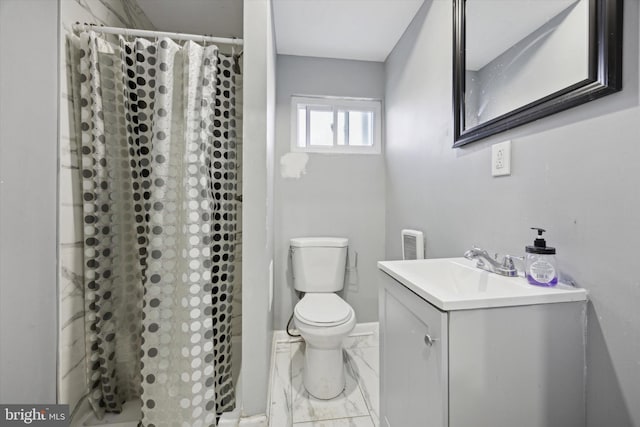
463,347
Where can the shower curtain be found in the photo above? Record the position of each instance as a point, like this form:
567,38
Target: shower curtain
157,129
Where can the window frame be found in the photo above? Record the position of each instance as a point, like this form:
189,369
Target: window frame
336,104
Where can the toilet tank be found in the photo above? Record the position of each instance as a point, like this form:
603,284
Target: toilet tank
319,263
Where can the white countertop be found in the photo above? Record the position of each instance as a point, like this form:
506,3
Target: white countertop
456,284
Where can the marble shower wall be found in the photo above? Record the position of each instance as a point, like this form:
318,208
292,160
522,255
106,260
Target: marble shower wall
71,354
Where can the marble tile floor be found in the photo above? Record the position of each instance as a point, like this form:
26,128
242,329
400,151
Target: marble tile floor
356,406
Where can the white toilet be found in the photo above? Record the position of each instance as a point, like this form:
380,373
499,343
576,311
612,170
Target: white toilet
322,317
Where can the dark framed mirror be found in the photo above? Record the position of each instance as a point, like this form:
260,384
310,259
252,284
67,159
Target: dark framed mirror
520,60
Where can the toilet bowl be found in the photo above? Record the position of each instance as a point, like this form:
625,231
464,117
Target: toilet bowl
324,321
322,317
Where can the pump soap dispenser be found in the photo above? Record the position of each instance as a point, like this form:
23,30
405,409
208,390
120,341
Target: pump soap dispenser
540,262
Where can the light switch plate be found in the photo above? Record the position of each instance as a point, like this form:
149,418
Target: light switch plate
501,159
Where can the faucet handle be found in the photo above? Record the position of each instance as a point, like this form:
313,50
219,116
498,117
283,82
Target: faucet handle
509,266
507,262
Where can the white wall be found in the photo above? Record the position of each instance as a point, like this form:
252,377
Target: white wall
28,153
338,194
575,173
257,210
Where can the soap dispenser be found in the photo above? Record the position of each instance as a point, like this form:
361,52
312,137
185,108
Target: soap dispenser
540,262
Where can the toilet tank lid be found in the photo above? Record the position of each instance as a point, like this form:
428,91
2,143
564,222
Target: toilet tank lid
319,242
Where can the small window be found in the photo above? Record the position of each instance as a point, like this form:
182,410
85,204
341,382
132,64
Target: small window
335,125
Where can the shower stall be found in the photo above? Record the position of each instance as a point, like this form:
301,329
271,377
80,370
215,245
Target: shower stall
155,122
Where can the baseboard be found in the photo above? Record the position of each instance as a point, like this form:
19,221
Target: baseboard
254,421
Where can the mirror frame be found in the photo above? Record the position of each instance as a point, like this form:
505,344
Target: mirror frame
604,74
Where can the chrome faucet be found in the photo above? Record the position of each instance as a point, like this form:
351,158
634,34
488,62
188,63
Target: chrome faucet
487,263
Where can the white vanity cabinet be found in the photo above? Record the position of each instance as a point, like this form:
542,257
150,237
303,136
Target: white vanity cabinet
519,365
413,360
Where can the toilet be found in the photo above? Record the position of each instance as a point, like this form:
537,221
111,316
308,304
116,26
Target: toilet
321,316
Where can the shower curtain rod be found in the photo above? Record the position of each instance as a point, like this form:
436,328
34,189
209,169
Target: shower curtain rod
154,34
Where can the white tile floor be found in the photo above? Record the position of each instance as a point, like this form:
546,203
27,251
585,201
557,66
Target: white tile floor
356,406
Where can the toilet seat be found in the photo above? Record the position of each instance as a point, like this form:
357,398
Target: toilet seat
323,309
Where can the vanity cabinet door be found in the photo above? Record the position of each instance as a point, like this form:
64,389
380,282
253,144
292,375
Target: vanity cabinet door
413,358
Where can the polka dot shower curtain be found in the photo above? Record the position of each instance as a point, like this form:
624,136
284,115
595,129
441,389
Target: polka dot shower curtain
156,123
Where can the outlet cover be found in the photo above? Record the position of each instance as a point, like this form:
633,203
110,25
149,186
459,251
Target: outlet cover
501,159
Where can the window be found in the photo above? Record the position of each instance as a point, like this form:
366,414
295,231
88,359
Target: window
335,125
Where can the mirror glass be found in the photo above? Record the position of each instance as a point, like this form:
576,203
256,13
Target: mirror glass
518,51
516,61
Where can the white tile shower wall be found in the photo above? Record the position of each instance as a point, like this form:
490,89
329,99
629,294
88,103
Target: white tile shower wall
71,370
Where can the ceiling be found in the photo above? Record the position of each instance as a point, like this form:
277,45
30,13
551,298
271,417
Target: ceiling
348,29
219,18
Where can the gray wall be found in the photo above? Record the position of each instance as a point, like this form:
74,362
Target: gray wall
338,195
575,173
257,210
28,156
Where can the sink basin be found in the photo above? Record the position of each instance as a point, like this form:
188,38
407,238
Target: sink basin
456,284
